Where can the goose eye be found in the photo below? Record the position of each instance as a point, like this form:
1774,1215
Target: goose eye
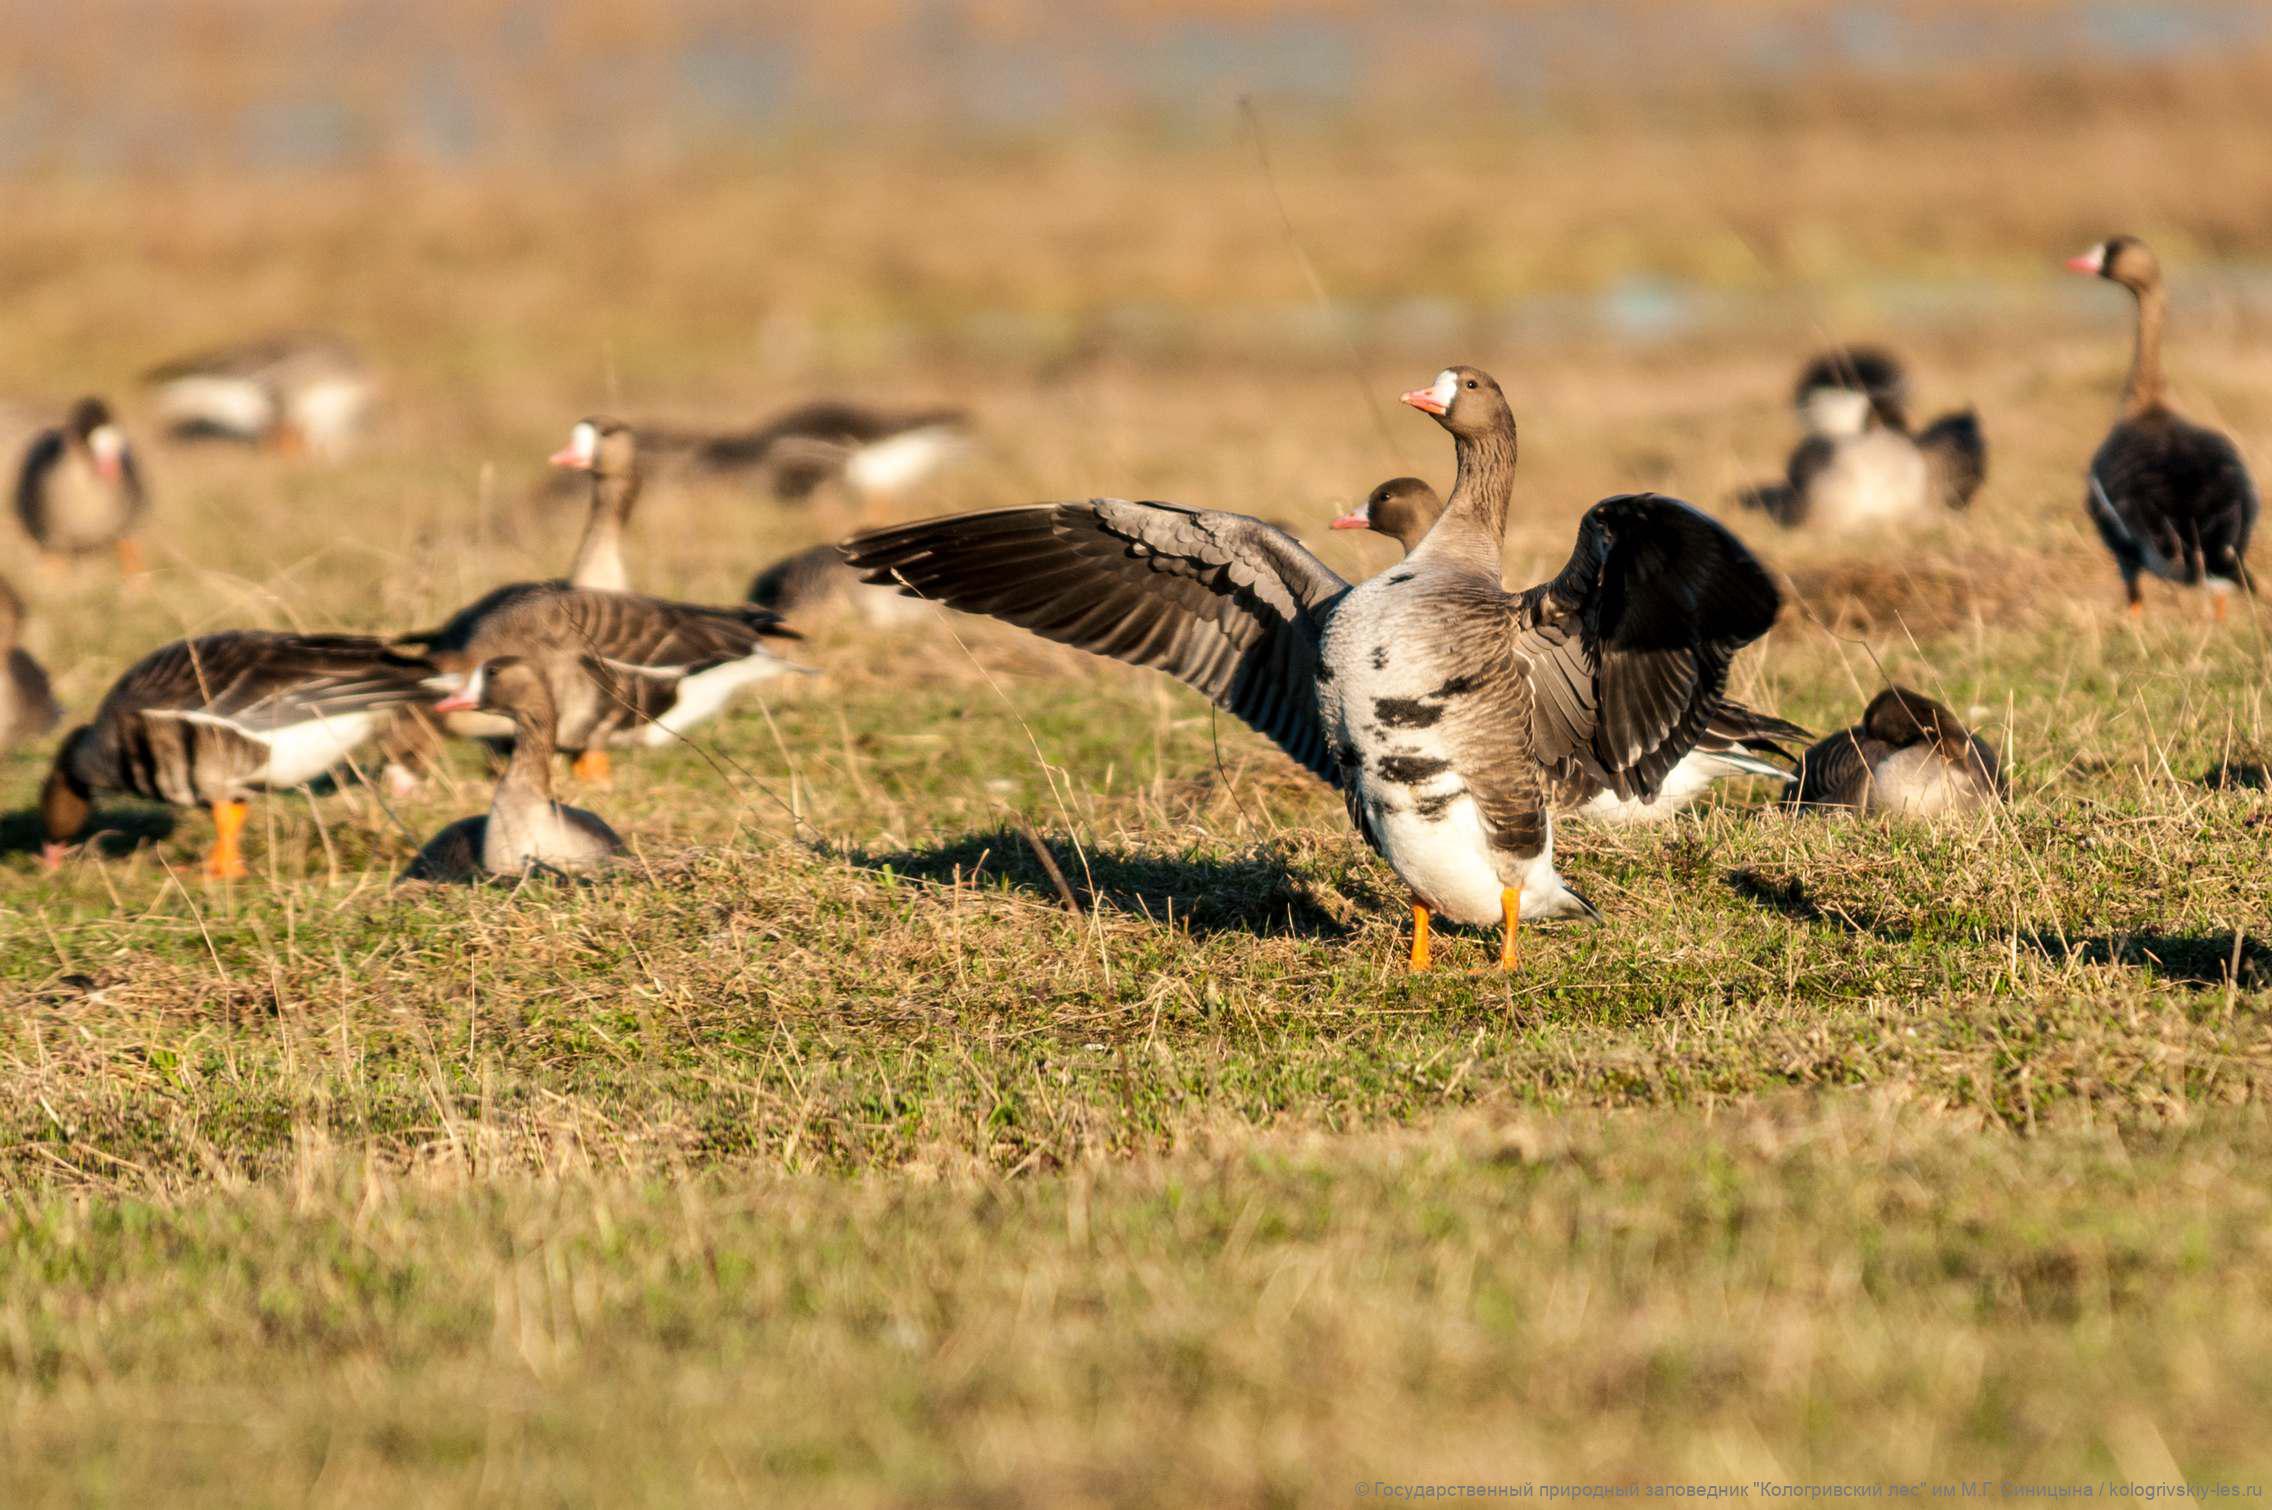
1471,382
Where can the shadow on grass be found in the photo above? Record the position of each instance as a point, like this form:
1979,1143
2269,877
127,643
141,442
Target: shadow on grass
1255,894
1789,897
2188,959
114,832
2237,776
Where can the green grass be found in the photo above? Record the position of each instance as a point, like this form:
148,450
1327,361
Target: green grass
825,1150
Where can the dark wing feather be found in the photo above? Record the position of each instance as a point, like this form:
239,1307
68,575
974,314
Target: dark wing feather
263,680
1836,772
1628,648
2177,490
1956,457
1732,725
1226,604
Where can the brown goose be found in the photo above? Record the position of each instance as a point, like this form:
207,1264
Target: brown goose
1453,715
1909,754
872,452
2168,496
1732,744
215,719
525,829
300,390
79,489
620,668
28,707
1860,462
809,583
609,452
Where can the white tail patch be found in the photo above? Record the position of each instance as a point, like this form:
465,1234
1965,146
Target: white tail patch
701,695
234,406
904,460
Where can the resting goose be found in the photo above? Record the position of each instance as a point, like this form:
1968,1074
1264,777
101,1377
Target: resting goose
873,452
1454,716
524,829
28,707
215,719
2168,496
298,390
79,489
1732,744
1909,754
1860,462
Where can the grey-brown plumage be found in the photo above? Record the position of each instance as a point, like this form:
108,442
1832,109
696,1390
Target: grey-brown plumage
795,453
1860,462
525,829
1443,707
816,581
1909,754
2168,496
215,719
1735,738
28,707
294,390
621,668
607,452
79,487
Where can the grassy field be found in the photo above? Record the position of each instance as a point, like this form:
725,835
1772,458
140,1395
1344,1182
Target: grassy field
826,1149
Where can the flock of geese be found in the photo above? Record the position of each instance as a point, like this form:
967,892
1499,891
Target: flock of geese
1459,720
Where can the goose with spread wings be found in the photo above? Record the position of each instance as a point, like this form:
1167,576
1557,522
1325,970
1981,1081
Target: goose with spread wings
1455,717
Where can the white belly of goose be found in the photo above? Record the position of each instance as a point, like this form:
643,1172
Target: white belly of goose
299,753
1415,801
701,695
901,461
1877,476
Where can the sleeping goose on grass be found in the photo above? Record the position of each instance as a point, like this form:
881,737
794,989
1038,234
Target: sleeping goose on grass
213,720
1733,743
28,707
299,390
1909,754
525,829
1860,462
2169,496
79,488
1454,717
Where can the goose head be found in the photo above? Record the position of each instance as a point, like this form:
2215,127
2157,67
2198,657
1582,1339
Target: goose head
1403,508
504,684
1466,401
600,446
66,802
96,435
2121,259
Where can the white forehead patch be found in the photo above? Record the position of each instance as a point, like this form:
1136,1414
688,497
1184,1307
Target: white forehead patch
584,440
2096,257
1447,387
475,683
106,442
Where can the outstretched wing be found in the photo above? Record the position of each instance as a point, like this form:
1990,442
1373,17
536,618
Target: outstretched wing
1223,603
1628,648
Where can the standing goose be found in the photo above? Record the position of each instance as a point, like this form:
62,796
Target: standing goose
1861,462
525,829
28,707
213,720
1453,716
1732,744
609,452
620,668
301,390
79,489
1909,754
2168,496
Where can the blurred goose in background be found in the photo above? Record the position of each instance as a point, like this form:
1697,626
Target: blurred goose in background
2168,496
871,452
213,720
1860,463
28,707
301,390
1909,754
1733,742
79,489
524,829
810,583
1453,716
620,668
609,453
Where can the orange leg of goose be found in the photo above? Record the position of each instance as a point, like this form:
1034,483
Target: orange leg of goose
1420,959
130,562
1511,915
227,862
594,768
2217,602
